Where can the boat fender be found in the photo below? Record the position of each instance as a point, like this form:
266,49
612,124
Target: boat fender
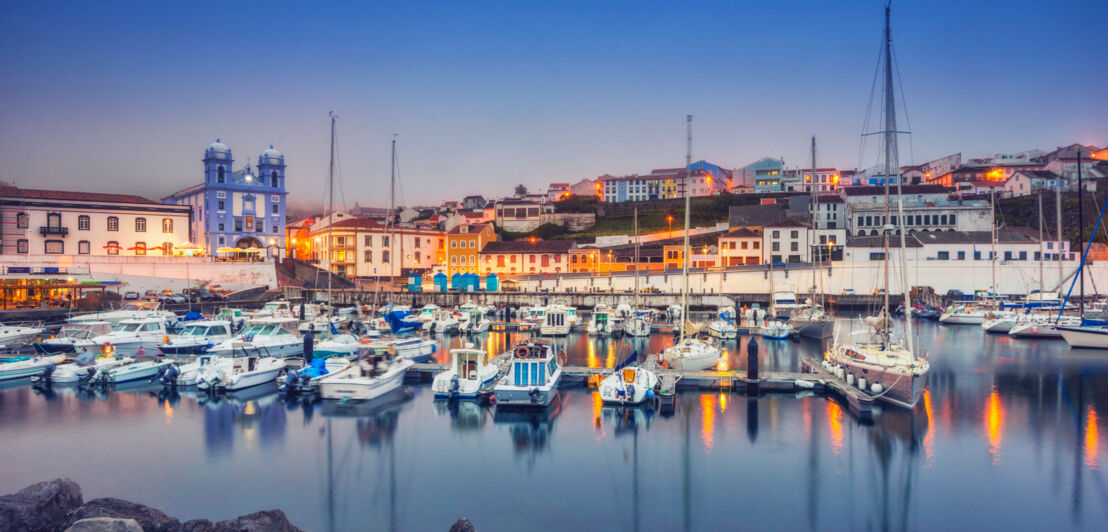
850,379
650,394
107,348
877,388
862,383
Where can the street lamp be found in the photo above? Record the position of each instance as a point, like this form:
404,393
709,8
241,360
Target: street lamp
669,218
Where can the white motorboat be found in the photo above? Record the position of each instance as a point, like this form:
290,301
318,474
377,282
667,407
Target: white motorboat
266,336
776,330
425,314
673,312
278,309
189,374
1042,326
133,337
555,322
338,345
570,311
196,338
129,311
638,325
365,379
723,327
130,370
691,354
84,367
242,372
962,315
414,349
999,321
1085,335
532,376
443,322
469,376
75,337
306,379
785,303
19,334
473,321
29,367
604,322
629,385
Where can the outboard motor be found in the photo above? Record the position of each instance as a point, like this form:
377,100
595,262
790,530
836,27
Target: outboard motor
91,374
169,378
289,384
455,385
534,393
630,392
46,373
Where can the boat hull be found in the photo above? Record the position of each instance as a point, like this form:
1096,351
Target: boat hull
962,319
360,389
1035,330
27,368
1085,337
534,397
898,388
818,329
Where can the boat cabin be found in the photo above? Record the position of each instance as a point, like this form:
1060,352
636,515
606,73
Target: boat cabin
467,363
85,330
532,363
556,318
207,328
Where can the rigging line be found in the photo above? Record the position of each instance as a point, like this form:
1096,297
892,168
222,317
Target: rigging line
338,175
869,106
904,104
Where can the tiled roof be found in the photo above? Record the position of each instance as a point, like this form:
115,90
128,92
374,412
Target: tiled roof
525,246
469,230
742,232
30,193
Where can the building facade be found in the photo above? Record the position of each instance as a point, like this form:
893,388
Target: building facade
926,208
50,222
237,209
361,247
463,248
740,247
526,257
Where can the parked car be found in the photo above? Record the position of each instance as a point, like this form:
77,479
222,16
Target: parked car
201,294
151,295
176,298
216,288
130,294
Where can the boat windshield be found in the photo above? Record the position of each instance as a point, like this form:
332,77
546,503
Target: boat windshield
195,330
253,329
79,333
128,327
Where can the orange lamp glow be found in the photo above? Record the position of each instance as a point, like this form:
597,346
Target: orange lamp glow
532,240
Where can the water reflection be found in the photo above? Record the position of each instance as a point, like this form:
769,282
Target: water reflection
994,421
530,428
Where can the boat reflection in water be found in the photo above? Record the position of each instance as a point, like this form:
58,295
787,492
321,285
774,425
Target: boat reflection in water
254,414
530,428
465,416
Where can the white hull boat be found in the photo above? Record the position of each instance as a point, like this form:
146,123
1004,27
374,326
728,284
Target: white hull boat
628,386
29,367
243,372
691,354
130,371
1085,336
365,379
15,335
531,379
470,376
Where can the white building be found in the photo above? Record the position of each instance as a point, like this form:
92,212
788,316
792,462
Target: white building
366,248
926,208
53,222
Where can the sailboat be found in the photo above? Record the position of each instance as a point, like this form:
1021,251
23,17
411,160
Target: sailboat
813,320
1042,324
996,320
1089,333
689,353
637,324
877,362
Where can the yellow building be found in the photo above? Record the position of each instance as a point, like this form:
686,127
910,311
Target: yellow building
463,246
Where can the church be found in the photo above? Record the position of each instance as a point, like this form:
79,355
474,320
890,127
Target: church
237,210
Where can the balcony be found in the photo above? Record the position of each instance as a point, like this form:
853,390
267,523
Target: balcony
53,230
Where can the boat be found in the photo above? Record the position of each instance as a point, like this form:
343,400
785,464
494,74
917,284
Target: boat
305,380
426,313
83,367
776,330
265,336
196,338
999,321
20,334
962,315
442,322
275,309
414,349
570,311
131,370
472,320
469,375
628,384
75,337
689,352
812,321
338,345
188,374
723,328
604,322
235,316
242,372
785,303
365,379
1042,326
638,324
1088,334
132,337
874,360
532,376
29,367
129,311
555,322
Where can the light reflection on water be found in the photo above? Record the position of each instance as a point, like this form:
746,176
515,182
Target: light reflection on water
1006,436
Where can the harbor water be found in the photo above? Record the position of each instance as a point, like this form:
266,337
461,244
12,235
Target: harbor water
1005,437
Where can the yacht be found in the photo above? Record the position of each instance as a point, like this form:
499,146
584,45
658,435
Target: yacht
532,376
812,321
999,321
19,334
785,303
133,337
188,374
196,338
442,322
473,321
963,315
242,372
723,327
1087,334
628,384
75,336
555,322
338,345
1041,326
414,349
269,336
306,379
277,309
83,368
365,379
427,313
883,367
604,322
29,367
129,311
469,376
131,370
638,324
691,354
776,330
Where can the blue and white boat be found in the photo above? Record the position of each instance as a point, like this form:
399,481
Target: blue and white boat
196,338
470,376
29,367
628,384
532,376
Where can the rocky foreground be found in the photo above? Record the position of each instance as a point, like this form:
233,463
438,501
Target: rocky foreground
58,506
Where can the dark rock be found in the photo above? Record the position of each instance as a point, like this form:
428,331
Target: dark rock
463,525
197,525
105,524
269,520
40,507
150,519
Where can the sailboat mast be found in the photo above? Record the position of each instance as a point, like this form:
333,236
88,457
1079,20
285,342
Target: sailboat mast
890,143
813,238
1081,234
688,202
392,209
635,299
1058,234
1040,246
331,213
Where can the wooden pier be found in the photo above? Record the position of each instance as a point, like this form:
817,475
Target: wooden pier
860,402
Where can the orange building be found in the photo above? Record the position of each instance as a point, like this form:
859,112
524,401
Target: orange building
463,247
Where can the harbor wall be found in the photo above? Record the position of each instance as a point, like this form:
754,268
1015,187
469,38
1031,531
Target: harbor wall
155,273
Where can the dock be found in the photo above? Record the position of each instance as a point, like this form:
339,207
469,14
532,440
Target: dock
860,402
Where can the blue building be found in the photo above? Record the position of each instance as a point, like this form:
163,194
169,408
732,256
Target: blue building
766,175
239,209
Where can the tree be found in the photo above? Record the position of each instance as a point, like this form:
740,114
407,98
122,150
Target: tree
521,190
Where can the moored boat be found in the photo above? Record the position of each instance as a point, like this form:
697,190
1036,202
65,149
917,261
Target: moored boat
469,376
532,376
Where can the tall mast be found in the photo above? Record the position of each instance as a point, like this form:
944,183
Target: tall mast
1058,235
1081,234
890,146
392,211
635,299
685,251
813,237
331,212
892,153
1040,246
992,219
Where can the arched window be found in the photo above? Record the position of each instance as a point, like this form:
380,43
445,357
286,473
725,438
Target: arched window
167,225
112,247
220,178
113,224
140,225
140,248
83,222
21,220
167,248
54,219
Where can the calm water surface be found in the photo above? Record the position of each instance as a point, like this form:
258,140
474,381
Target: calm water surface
1007,436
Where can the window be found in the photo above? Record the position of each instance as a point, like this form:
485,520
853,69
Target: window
514,259
453,244
795,234
1050,245
113,223
140,225
369,256
21,245
113,247
961,255
927,219
757,244
454,259
140,248
1037,255
385,257
795,246
776,246
220,178
54,219
222,240
417,243
83,247
417,257
83,222
369,240
219,205
21,221
1023,255
221,227
1007,255
385,241
532,259
220,194
944,255
952,219
238,224
942,219
274,229
876,256
167,225
273,176
500,260
743,246
777,234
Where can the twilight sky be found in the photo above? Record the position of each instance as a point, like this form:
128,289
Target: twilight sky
484,95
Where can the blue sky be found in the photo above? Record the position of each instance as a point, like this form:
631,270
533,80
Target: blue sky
485,95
